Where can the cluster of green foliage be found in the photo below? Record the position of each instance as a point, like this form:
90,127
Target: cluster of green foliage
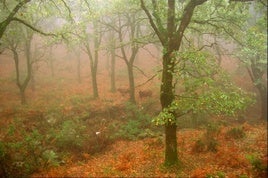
28,147
253,41
136,124
71,135
204,88
22,157
257,164
255,50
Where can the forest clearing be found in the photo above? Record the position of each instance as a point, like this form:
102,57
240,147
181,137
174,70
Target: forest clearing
133,88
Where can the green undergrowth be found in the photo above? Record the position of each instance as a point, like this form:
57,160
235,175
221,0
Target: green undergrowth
43,138
136,123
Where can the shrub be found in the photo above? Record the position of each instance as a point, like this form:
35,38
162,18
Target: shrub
137,124
19,157
71,135
256,163
50,158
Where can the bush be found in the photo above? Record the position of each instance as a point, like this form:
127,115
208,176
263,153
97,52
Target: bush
72,135
20,158
256,163
137,124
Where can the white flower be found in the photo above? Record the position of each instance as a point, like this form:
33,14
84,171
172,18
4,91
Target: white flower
97,133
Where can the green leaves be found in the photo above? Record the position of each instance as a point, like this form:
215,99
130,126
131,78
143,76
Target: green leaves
204,88
166,116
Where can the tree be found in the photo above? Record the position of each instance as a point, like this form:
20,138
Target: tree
13,41
111,48
21,34
126,22
37,56
253,51
8,16
171,39
92,51
89,34
170,21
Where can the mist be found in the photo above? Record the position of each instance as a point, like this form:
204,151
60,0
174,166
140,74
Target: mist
130,88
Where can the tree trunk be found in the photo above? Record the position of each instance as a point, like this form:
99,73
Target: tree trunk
166,98
263,96
78,68
33,80
51,62
256,77
171,155
113,87
22,96
94,82
131,83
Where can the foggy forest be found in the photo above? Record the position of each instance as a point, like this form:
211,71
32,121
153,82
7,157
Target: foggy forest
133,88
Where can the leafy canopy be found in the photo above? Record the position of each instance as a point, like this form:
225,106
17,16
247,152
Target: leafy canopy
204,88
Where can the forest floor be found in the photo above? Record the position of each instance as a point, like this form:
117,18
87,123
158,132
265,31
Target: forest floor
144,158
64,132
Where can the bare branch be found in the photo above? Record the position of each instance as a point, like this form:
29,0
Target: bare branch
160,36
211,45
187,15
140,70
31,27
69,10
146,81
6,22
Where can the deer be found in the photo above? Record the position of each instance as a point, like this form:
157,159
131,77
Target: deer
123,91
145,93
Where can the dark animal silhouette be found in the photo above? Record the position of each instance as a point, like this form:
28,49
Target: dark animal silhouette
123,91
145,93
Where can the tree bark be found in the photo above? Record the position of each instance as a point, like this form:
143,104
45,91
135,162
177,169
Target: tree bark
263,96
78,68
166,98
171,155
94,81
256,74
131,83
96,60
113,87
